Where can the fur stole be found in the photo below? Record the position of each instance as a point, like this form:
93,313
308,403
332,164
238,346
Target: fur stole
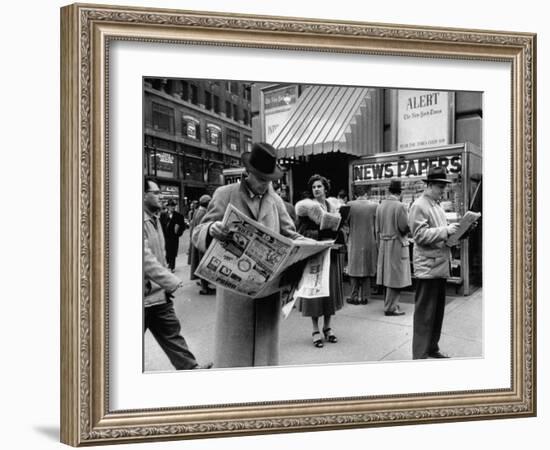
314,211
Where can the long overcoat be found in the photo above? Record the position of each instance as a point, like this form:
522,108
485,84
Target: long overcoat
394,265
246,330
428,224
172,227
362,247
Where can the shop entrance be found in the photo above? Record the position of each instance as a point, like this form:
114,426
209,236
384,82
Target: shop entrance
334,166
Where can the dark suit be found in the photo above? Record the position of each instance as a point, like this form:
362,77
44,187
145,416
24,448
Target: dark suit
172,227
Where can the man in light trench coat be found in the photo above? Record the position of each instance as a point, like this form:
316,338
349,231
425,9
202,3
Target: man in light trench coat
394,265
247,330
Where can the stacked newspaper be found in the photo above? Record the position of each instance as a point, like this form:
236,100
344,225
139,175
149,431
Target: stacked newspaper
254,260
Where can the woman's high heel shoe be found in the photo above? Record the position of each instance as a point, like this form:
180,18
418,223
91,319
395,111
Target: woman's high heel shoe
329,336
317,341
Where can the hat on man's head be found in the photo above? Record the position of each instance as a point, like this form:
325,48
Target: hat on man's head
395,186
171,203
204,199
437,175
262,161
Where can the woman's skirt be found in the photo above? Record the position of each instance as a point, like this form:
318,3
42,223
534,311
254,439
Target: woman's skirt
327,306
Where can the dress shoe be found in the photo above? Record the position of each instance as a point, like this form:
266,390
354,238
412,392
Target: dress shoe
207,291
394,313
352,301
438,355
364,301
204,366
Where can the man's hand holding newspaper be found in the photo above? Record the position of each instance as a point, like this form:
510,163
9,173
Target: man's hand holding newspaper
249,259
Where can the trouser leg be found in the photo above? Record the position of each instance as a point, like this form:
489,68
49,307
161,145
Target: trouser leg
355,286
391,300
425,311
365,289
439,294
165,327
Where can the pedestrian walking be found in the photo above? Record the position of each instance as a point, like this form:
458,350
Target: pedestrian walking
173,226
247,330
394,265
431,261
159,287
362,247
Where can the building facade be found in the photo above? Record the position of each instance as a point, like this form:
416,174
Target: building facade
193,130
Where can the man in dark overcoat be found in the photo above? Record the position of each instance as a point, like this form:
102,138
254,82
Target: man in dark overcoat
173,226
247,329
394,265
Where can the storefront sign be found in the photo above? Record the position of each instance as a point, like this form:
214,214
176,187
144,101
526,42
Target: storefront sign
424,119
405,168
165,164
277,105
191,125
213,134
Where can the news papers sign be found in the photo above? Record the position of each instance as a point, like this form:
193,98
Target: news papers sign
406,168
425,119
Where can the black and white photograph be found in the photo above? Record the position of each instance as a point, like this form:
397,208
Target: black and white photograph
384,182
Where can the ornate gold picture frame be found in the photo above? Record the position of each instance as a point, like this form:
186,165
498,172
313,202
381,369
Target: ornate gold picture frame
87,33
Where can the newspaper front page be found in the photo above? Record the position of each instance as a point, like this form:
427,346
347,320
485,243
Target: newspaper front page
314,282
253,261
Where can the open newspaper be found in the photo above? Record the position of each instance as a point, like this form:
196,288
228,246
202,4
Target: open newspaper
254,260
463,226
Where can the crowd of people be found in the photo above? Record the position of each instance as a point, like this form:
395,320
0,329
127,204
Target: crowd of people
373,238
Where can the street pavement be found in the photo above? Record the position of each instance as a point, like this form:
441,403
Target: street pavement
364,332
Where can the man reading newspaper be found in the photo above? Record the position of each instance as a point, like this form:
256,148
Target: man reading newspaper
247,329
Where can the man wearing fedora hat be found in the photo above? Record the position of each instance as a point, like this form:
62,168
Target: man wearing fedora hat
393,268
431,261
247,330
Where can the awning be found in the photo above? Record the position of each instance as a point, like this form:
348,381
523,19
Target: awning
325,119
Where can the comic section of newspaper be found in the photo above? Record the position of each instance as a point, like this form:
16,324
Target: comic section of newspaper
252,261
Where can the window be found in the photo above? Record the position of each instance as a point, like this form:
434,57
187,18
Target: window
246,118
185,91
165,164
207,100
233,140
235,112
193,169
190,127
228,109
213,135
216,104
247,144
246,93
194,94
163,118
215,173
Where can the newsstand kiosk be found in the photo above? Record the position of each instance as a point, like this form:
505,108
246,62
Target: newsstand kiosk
464,169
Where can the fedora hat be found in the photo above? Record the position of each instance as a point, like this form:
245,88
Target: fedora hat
437,175
262,161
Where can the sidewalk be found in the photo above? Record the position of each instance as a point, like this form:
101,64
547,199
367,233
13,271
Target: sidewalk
364,333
